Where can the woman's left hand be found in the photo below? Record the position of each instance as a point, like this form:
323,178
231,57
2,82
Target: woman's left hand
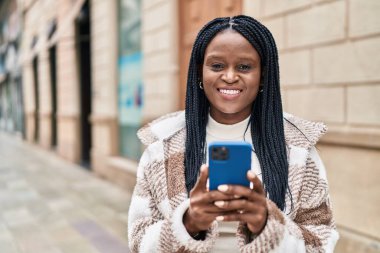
250,208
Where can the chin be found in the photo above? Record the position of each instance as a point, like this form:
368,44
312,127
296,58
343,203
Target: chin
230,111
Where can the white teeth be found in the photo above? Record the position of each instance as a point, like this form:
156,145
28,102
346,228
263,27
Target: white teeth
229,92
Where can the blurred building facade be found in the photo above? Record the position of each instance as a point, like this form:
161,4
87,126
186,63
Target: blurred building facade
11,98
59,93
329,62
95,71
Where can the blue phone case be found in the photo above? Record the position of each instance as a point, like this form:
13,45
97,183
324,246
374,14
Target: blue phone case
230,169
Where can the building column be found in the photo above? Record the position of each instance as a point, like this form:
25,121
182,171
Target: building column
160,45
104,115
45,99
68,109
29,105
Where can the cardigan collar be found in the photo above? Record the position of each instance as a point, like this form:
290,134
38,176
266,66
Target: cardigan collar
298,132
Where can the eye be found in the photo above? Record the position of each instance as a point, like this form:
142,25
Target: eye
244,67
217,66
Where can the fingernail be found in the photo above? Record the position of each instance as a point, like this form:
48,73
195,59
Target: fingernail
219,203
219,218
223,188
251,174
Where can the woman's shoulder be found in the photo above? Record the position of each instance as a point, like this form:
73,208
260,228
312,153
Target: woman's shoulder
301,132
162,127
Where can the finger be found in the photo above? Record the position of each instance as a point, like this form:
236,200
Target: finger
257,185
214,210
244,217
240,205
239,191
202,180
213,196
201,207
231,217
235,190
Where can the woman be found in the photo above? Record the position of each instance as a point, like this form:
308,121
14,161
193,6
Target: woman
233,93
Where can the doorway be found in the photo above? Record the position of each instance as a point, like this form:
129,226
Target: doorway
36,100
83,41
53,82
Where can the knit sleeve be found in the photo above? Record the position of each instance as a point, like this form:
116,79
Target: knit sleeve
153,226
312,228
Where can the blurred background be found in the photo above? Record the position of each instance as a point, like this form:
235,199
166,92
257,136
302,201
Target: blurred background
79,77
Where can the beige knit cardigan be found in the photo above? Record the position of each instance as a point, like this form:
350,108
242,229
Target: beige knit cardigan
160,198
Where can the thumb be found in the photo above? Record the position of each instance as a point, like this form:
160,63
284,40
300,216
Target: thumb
202,180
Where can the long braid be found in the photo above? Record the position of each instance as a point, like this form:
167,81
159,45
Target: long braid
267,128
197,105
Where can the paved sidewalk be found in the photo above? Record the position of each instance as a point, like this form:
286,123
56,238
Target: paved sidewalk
48,205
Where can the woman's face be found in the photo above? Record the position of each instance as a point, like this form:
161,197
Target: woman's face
231,77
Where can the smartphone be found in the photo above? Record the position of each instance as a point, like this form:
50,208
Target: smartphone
228,163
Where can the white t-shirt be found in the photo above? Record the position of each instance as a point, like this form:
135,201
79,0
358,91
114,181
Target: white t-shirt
237,132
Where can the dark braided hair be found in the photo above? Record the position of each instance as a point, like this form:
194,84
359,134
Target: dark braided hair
267,128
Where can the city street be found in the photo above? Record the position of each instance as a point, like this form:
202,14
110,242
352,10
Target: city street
48,205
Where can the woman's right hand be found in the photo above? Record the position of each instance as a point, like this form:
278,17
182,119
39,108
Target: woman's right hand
202,211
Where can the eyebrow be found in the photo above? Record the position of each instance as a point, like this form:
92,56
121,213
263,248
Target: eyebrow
217,57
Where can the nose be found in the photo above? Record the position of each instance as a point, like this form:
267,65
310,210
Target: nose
229,76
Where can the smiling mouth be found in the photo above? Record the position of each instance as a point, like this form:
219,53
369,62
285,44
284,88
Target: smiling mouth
229,91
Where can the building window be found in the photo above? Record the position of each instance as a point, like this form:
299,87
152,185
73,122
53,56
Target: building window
130,88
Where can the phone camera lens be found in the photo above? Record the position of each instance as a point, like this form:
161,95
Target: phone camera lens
219,153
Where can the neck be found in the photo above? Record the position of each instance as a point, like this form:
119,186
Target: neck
229,118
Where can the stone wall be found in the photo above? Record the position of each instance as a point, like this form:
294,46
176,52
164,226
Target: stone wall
329,63
160,49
